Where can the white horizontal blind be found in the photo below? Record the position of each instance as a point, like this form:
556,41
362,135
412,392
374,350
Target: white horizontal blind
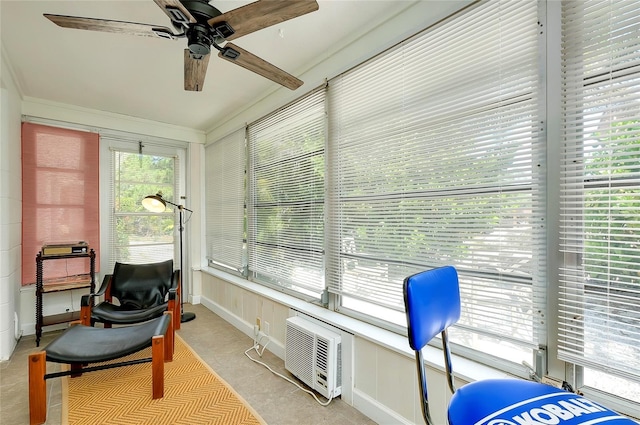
599,323
437,159
286,196
137,235
225,163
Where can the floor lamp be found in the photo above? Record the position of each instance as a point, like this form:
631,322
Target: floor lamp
156,203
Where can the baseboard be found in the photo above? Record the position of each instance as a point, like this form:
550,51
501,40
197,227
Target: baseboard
276,347
376,411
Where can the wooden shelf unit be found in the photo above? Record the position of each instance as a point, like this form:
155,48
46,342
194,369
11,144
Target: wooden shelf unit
67,283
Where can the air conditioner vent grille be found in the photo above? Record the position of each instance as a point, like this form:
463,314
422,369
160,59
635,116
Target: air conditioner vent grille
313,354
301,354
322,354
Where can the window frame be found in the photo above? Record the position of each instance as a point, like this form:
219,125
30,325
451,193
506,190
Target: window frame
150,146
572,248
284,156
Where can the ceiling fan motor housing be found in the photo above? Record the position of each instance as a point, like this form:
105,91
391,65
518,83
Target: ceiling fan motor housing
200,36
199,40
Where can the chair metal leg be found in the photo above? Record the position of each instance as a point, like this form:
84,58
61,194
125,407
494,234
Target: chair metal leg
446,351
37,388
422,378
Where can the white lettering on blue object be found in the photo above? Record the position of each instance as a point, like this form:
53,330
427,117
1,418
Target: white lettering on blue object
559,411
550,413
526,419
544,416
589,405
573,408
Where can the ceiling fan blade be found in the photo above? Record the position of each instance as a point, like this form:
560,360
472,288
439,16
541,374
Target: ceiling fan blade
262,14
106,25
176,11
249,61
194,71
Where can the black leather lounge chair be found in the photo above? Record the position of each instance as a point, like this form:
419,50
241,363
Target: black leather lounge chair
143,291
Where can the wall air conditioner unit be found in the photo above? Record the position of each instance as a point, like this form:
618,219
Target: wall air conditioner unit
314,355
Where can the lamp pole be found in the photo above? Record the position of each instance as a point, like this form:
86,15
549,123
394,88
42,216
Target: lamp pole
184,316
156,203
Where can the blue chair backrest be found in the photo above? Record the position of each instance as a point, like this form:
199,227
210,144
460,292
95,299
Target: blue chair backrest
432,302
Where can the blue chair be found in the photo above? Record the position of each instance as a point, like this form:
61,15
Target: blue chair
432,302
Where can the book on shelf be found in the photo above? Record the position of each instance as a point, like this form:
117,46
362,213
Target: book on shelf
65,248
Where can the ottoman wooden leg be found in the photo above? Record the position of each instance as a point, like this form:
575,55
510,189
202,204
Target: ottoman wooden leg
37,388
157,366
169,340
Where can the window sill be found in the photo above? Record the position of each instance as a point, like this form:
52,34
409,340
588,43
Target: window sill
466,369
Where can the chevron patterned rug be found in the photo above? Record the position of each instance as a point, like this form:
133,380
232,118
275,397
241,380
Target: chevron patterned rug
193,394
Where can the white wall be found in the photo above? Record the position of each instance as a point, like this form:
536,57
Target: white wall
10,209
412,20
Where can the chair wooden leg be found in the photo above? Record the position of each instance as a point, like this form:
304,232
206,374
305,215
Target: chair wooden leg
174,307
177,315
157,366
169,342
85,315
37,388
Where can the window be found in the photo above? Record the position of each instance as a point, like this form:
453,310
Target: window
60,195
137,235
436,153
286,197
225,197
435,159
599,325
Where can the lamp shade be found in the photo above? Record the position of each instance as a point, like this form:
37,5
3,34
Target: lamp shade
154,203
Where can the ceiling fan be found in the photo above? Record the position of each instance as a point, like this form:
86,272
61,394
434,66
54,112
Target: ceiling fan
205,27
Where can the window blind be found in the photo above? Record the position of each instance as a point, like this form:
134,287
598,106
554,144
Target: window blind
225,198
599,296
286,196
60,196
437,158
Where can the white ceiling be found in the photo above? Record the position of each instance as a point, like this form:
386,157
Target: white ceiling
143,77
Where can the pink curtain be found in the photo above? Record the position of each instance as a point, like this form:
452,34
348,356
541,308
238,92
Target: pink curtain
60,196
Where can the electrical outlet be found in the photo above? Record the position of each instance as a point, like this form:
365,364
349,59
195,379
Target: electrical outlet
258,323
266,328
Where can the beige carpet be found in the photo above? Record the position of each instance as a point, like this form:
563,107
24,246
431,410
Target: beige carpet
193,394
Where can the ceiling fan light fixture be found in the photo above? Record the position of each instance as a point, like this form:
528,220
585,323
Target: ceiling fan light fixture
199,40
